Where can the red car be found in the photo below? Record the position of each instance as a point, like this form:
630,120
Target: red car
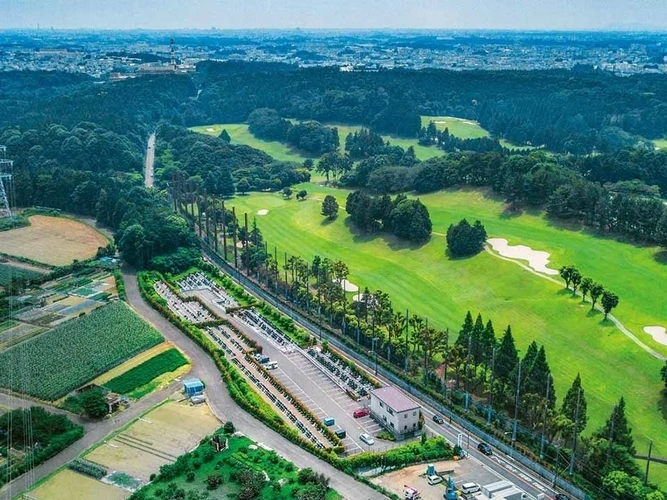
361,412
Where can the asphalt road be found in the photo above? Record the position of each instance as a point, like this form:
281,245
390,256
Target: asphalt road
150,160
225,408
95,431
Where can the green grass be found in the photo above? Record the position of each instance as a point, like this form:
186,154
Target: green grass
235,458
7,273
62,359
142,374
425,281
459,127
7,324
241,135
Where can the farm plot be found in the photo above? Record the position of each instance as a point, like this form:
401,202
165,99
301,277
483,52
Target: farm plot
53,240
68,485
138,376
59,311
18,333
156,439
9,272
70,355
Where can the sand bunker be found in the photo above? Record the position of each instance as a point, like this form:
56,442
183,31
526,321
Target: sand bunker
349,287
210,129
262,212
659,333
537,260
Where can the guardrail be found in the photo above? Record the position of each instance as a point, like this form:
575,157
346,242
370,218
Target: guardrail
332,338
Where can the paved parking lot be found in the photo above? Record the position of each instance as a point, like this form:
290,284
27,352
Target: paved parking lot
317,391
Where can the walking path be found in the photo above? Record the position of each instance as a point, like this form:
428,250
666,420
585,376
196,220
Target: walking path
611,317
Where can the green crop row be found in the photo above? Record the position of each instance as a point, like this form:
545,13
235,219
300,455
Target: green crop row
52,364
164,362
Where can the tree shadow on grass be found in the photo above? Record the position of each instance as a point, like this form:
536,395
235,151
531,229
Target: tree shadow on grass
592,313
662,403
661,257
327,221
392,241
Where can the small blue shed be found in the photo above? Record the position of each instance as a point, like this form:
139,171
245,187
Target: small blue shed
193,387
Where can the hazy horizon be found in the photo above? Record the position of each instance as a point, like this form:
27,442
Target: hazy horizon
548,15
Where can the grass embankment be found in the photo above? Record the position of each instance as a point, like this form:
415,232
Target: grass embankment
425,281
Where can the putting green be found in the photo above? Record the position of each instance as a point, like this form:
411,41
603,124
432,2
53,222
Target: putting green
423,280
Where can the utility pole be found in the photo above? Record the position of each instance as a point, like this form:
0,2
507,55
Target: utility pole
375,352
407,341
234,222
544,423
576,427
493,367
516,404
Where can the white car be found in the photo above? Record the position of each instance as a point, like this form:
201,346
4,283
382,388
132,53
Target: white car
366,438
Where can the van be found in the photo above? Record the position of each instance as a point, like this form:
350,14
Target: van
271,365
328,421
340,433
434,480
468,488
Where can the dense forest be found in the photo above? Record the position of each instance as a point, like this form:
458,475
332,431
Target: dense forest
568,111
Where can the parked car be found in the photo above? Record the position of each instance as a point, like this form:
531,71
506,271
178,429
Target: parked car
340,433
366,438
485,448
434,479
361,412
561,496
438,419
467,488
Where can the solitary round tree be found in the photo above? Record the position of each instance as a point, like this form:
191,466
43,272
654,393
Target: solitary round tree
464,240
330,207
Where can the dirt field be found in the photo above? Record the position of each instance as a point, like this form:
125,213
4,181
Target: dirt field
156,439
69,485
52,240
414,477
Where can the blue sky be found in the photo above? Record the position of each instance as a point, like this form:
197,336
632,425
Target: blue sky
444,14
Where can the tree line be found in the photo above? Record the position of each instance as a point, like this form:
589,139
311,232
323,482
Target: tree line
309,136
405,218
478,369
567,111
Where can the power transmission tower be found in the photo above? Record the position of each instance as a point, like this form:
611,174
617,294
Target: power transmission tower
6,169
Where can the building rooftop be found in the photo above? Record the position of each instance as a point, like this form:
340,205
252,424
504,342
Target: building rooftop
394,399
192,382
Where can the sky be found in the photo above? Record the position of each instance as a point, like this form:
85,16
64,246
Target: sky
317,14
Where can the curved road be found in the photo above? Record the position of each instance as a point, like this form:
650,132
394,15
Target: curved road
150,159
224,407
95,431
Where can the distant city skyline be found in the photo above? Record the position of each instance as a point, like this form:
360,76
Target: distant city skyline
323,14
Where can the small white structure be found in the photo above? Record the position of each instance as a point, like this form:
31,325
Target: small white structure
395,412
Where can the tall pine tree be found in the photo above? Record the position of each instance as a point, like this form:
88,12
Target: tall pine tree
617,430
506,357
569,407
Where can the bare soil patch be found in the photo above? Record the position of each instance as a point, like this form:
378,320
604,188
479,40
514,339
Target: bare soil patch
53,240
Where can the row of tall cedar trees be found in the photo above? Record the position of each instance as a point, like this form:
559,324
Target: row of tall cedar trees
477,362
